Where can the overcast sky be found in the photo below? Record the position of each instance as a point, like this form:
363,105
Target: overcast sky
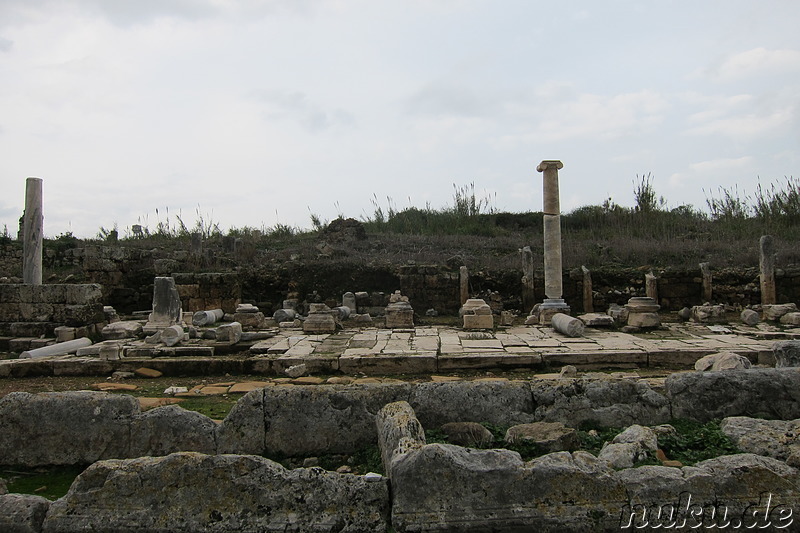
259,112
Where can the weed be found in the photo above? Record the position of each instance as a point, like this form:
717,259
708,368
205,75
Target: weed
51,482
696,442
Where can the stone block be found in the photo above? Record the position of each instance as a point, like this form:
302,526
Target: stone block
399,431
787,354
170,429
229,333
496,402
22,513
85,294
223,493
478,321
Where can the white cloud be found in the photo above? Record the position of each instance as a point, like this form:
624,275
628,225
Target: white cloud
719,171
756,62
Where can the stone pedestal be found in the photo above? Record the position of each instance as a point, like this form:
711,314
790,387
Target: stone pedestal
476,314
32,233
319,320
167,309
550,307
643,312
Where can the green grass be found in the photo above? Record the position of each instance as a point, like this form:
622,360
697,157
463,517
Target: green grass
50,482
696,442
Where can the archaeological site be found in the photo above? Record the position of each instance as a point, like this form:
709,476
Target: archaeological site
211,385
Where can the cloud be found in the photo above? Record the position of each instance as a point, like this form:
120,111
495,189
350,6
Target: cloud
6,45
756,62
717,171
441,99
745,117
296,106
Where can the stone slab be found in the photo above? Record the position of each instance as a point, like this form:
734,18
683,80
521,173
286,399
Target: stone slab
388,364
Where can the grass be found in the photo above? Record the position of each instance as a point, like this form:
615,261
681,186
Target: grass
51,482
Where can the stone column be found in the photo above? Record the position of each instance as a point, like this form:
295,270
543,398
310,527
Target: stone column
766,264
553,273
528,288
588,294
463,275
32,233
708,282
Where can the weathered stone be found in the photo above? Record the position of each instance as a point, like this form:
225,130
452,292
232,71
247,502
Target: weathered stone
548,436
167,309
229,333
622,454
171,335
399,315
64,427
441,487
319,320
349,300
22,513
124,329
295,371
567,325
787,354
170,429
708,313
145,372
471,434
568,371
399,431
790,319
596,320
756,392
774,312
778,439
245,427
309,420
685,313
716,362
750,317
245,493
607,403
496,402
284,315
250,319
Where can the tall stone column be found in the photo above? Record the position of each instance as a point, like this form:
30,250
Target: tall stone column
553,303
33,227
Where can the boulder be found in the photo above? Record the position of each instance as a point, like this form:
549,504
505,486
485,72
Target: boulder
471,434
634,444
757,392
221,493
716,362
791,319
774,312
708,313
778,439
399,432
122,330
787,354
245,427
750,317
547,436
62,428
596,320
22,513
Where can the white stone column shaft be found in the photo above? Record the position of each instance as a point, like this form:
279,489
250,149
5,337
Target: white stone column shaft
32,233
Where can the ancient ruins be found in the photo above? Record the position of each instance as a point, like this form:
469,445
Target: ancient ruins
390,363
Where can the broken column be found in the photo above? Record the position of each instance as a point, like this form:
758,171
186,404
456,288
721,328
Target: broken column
167,309
206,318
766,265
349,300
62,348
651,285
708,282
567,325
528,297
33,227
553,302
463,278
588,293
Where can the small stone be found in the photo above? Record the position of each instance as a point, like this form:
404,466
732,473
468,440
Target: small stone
119,374
568,371
110,386
175,390
145,372
339,380
344,469
295,371
467,434
750,317
372,476
308,462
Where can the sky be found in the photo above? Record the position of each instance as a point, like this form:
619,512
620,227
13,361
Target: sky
253,113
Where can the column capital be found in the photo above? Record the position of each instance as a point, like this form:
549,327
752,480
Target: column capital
549,163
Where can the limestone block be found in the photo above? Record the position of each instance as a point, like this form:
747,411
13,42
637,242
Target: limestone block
548,436
643,320
244,429
284,315
441,487
770,438
226,493
83,294
170,429
787,354
605,402
755,392
22,513
496,402
250,320
567,325
34,429
596,320
309,420
230,333
319,322
124,329
478,321
64,333
399,432
708,314
716,362
399,315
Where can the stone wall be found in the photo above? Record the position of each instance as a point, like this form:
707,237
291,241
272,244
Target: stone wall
35,310
126,275
202,291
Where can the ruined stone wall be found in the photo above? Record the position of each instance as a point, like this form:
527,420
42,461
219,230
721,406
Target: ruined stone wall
35,310
126,275
201,291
